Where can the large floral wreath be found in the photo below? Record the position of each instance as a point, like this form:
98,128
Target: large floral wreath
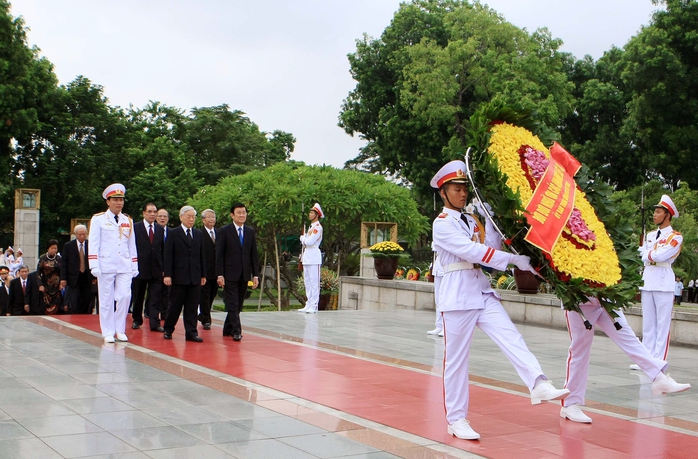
508,165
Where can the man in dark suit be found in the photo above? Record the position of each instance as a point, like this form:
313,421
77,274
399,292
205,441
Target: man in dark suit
4,291
150,247
162,219
184,273
76,277
16,301
34,297
210,290
237,263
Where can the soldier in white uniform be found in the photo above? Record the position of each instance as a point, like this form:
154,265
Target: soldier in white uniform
312,259
114,262
580,351
466,300
658,252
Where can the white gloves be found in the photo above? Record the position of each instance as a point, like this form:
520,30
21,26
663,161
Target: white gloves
523,263
134,274
479,206
95,272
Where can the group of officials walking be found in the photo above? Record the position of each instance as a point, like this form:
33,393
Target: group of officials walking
168,269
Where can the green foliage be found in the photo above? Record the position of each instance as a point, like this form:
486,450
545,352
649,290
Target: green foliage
278,199
434,65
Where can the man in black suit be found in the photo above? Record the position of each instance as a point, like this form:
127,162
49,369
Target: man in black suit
184,273
150,247
237,263
4,291
76,277
34,297
16,301
210,290
162,219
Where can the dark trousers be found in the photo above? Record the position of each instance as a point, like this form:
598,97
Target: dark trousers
208,294
690,294
79,298
186,297
153,304
234,297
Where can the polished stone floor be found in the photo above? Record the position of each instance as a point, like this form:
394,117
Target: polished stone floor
349,384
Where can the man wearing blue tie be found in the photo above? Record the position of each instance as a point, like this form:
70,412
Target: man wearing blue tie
237,263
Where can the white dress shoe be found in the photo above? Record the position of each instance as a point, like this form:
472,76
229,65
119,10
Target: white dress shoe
545,391
441,333
310,311
301,310
108,339
665,384
574,413
121,337
435,331
462,429
635,366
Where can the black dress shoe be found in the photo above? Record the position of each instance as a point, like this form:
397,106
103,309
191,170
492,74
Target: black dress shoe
196,339
157,329
207,326
226,334
237,337
136,326
167,335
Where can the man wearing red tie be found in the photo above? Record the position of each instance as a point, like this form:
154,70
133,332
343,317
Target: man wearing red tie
17,303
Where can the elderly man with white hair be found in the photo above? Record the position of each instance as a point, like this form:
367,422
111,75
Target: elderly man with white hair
184,273
75,274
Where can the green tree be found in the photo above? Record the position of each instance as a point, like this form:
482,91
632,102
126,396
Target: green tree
277,197
434,65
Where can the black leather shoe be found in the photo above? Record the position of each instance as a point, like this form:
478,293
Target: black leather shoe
167,335
207,326
196,339
136,326
237,337
158,329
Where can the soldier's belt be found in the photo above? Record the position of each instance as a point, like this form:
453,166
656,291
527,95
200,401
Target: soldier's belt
660,264
460,266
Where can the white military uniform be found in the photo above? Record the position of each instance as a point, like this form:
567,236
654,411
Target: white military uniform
312,261
658,253
580,348
466,299
114,262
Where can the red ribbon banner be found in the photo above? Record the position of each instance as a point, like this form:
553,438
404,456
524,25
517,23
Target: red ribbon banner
551,204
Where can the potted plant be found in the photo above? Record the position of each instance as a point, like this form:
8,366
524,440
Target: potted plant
386,256
329,289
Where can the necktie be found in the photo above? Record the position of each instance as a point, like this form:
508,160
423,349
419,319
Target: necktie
116,217
213,236
24,286
242,240
188,233
463,217
659,233
151,235
82,258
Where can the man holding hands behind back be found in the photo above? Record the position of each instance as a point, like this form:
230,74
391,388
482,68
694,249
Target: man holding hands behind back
236,263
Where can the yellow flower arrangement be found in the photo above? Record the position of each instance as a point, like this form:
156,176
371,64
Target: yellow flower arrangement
595,262
387,248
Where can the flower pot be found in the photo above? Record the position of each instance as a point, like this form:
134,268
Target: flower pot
328,302
526,282
385,267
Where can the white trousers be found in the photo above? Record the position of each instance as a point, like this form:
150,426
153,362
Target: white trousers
439,319
311,279
656,322
459,327
113,287
579,353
